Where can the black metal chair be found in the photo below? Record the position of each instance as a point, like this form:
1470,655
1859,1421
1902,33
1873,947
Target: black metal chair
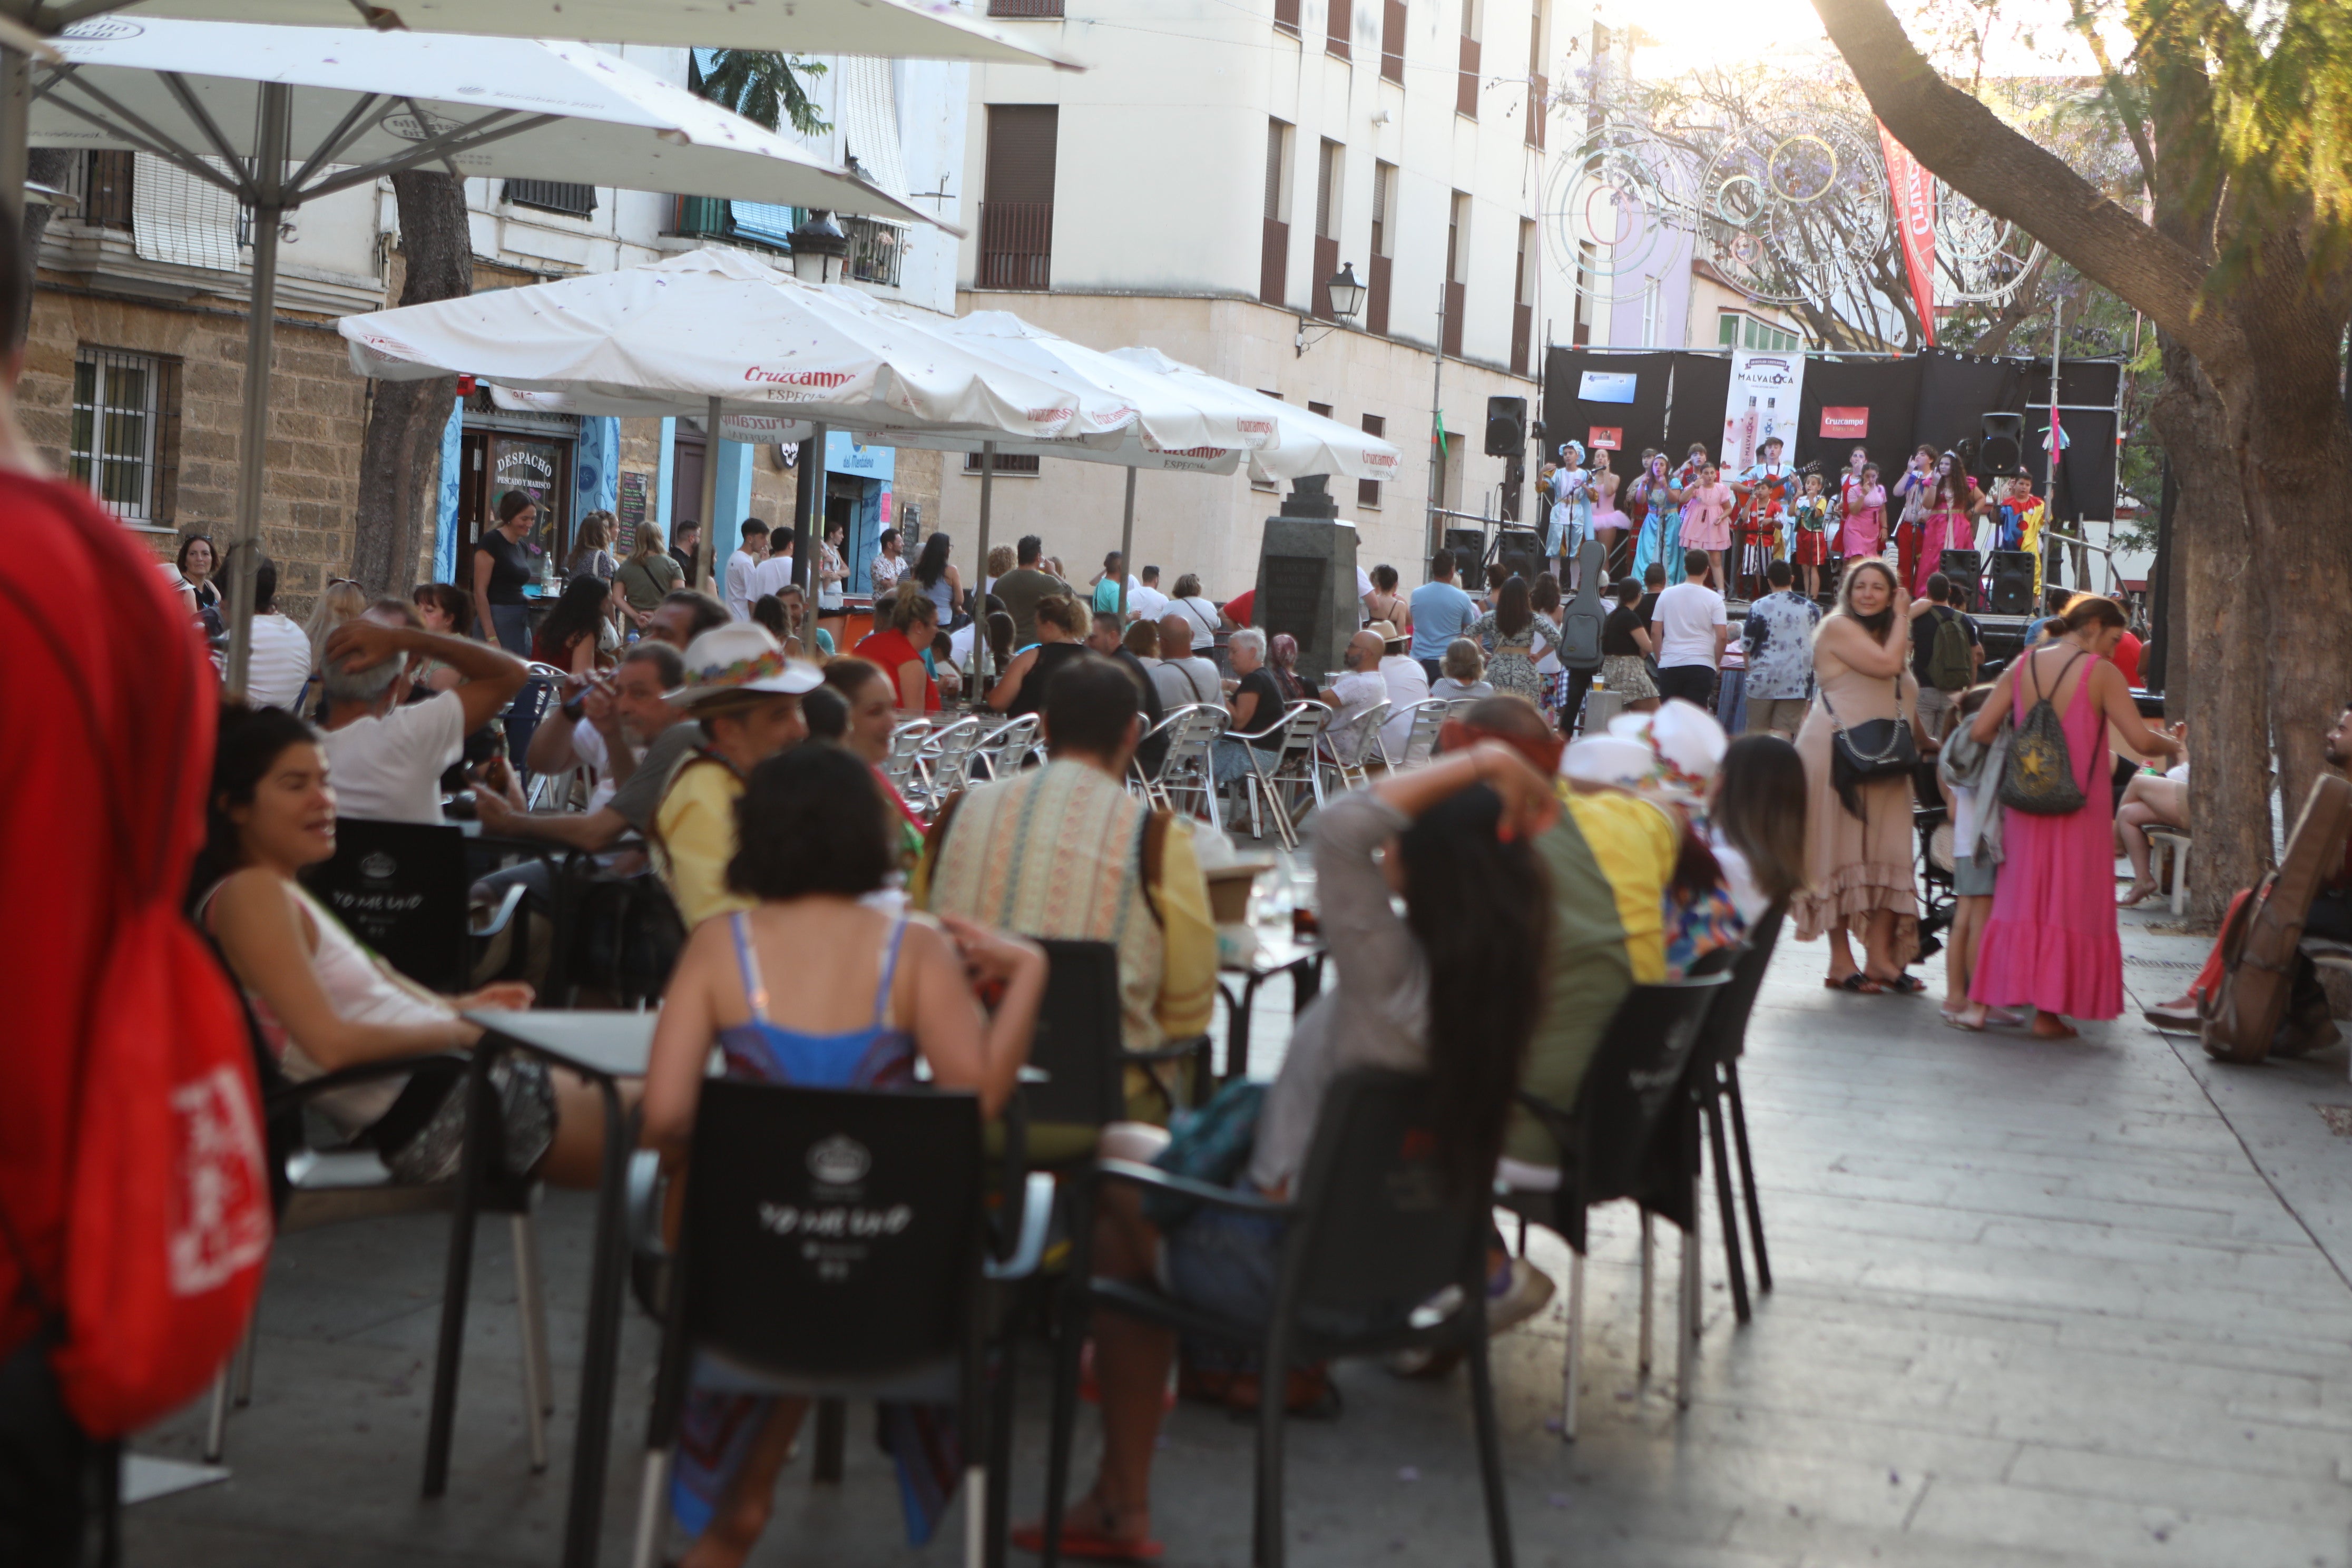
1375,1258
1713,1082
832,1244
1605,1143
313,1186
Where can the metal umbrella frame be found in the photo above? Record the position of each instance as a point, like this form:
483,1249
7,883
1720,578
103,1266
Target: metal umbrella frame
414,108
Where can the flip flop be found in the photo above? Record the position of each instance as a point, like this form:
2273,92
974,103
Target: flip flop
1954,1021
1088,1546
1858,983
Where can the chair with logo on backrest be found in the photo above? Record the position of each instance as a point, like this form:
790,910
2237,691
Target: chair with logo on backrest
1376,1256
402,890
1632,1089
1080,1049
832,1244
1350,749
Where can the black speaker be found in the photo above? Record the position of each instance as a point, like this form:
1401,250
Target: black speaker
2013,582
1506,426
1965,568
2003,451
1469,547
1517,544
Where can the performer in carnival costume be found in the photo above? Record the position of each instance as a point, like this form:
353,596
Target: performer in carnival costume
1609,521
1662,517
1765,489
2018,517
1809,519
1571,510
1910,496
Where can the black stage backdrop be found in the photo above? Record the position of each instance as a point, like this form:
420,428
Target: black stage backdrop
1935,398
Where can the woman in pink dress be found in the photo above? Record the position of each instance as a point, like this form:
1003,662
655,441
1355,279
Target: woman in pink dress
1947,524
2051,943
1865,513
1706,522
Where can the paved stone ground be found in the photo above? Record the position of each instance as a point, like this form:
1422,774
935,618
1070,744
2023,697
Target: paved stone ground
2037,1304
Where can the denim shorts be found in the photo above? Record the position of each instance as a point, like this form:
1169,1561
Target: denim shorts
1224,1262
1970,880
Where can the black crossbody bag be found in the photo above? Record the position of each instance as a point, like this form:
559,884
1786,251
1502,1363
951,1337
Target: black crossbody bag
1873,749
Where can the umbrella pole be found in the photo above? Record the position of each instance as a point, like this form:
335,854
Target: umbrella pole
16,127
267,188
710,498
980,578
1127,548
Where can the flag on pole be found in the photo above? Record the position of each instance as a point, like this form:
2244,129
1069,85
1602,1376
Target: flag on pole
1914,190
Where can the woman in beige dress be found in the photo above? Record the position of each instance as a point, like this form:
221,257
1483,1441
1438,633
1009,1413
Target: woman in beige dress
1860,858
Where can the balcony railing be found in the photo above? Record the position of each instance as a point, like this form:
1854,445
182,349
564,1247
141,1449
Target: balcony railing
1032,9
1392,19
875,250
1016,244
552,195
1336,29
1466,90
1285,15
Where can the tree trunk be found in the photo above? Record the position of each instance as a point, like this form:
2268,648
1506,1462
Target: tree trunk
2222,669
400,457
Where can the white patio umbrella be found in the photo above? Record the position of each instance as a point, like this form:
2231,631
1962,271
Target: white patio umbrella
1304,442
277,116
716,334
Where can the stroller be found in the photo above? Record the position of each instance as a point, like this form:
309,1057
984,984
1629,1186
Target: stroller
1931,826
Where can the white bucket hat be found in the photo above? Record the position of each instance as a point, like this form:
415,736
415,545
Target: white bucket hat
741,661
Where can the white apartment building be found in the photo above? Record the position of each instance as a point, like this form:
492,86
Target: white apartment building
135,376
1196,189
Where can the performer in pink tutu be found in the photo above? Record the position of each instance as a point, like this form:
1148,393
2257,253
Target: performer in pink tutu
1706,520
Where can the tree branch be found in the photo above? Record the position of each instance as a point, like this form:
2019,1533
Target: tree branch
2005,173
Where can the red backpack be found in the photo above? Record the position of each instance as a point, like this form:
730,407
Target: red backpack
147,1262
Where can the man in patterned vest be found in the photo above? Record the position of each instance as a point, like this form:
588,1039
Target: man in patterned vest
1065,851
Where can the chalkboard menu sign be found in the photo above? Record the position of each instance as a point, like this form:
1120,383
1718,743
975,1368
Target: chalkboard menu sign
631,511
1297,591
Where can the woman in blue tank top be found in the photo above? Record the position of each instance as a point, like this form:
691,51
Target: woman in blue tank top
816,987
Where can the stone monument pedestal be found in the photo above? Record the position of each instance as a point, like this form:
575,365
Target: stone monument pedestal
1307,578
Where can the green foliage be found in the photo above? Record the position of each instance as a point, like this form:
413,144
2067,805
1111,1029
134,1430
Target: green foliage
763,88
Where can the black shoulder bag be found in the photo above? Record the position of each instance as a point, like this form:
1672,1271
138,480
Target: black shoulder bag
1873,749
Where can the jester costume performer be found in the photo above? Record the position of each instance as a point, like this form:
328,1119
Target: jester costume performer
1572,508
1759,528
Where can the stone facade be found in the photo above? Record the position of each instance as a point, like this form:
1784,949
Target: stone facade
318,412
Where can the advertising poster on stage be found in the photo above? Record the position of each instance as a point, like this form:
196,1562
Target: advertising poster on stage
1760,403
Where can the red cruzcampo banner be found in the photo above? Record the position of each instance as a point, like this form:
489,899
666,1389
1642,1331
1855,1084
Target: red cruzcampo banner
1607,438
1914,190
1846,424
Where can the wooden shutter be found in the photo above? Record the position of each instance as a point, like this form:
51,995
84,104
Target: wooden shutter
1021,142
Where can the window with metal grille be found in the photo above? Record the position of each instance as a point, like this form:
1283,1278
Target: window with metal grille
552,195
1285,15
1006,462
1335,28
875,250
1368,491
1031,9
116,420
105,184
1393,21
1016,209
1376,298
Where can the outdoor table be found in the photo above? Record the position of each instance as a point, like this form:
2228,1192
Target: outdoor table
1276,954
603,1046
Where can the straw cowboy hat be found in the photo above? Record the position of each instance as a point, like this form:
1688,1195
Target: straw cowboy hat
730,664
1386,631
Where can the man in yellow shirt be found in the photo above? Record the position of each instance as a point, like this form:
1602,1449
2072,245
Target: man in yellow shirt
746,695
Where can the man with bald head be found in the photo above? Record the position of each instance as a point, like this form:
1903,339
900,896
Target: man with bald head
1361,688
1182,676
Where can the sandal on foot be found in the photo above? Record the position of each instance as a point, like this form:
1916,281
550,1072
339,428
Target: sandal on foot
1089,1546
2133,894
1909,985
1955,1021
1858,983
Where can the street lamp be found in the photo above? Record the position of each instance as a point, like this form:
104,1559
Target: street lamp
820,250
1347,299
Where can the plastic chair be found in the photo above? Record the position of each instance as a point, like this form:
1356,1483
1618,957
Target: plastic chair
403,889
2170,844
1632,1089
891,1306
1080,1048
1359,739
1375,1256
